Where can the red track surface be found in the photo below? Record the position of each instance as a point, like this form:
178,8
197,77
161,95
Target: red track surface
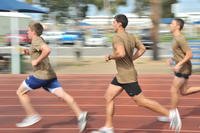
88,91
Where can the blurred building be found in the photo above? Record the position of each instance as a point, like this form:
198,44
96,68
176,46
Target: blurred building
133,19
5,19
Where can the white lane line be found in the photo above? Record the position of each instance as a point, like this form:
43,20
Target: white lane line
116,129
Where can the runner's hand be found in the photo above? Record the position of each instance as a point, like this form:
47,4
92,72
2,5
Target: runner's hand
177,68
34,62
107,58
26,51
170,62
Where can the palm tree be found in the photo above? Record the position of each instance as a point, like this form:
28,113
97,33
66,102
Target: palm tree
155,17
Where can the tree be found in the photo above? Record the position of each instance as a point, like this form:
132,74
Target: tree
110,5
167,8
62,9
158,9
83,10
101,3
58,9
155,17
141,6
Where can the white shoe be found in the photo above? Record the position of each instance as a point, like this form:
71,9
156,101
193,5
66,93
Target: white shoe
104,130
29,120
163,119
82,121
175,123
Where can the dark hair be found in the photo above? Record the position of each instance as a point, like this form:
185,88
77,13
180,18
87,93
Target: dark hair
121,18
37,27
180,22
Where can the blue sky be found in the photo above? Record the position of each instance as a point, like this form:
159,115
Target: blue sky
188,6
182,6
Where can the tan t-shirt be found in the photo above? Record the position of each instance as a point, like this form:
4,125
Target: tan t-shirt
43,70
179,47
126,72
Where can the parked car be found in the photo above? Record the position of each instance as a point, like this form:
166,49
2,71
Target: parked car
145,37
70,37
22,36
52,36
96,40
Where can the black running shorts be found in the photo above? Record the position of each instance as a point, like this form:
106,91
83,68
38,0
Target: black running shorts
131,89
180,75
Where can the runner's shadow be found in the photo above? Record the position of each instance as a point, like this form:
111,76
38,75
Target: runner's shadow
72,121
153,125
91,119
194,111
47,127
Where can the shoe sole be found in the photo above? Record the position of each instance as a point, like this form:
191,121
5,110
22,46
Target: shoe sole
18,124
163,119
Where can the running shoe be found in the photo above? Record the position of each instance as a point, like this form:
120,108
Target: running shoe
175,123
163,119
82,121
29,120
104,130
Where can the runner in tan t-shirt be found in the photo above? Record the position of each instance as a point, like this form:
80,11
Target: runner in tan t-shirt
180,47
43,70
43,77
126,77
182,54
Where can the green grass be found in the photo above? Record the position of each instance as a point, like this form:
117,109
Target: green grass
168,38
165,38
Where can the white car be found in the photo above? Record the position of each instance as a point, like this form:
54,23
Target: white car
96,40
52,36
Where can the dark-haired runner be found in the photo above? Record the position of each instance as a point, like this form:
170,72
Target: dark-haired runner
126,78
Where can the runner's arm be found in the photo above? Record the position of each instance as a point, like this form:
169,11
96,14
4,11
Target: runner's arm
118,53
45,52
140,51
187,57
183,44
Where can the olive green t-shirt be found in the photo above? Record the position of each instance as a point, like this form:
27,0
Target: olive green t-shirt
126,72
43,70
179,48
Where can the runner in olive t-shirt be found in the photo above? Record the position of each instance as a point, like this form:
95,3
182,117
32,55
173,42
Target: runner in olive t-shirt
180,48
182,54
45,77
126,77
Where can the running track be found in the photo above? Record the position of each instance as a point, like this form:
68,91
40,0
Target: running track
88,91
